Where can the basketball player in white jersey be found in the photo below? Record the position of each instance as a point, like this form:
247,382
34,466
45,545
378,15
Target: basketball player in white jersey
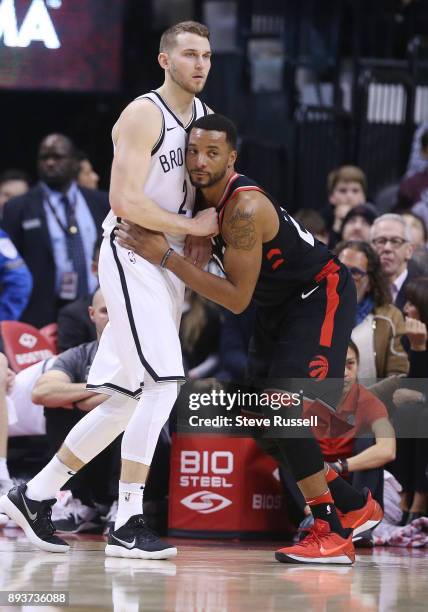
138,365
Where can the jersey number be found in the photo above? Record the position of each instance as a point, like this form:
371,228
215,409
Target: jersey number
304,234
182,210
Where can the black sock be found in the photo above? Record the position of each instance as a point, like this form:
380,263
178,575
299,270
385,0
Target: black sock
345,496
327,512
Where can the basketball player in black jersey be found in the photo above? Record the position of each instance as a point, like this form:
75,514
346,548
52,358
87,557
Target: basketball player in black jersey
305,312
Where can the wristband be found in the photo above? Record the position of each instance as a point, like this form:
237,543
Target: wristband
344,466
166,256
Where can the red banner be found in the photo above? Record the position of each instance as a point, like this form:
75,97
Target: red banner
224,486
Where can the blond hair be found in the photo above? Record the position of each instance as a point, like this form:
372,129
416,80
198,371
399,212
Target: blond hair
169,37
346,174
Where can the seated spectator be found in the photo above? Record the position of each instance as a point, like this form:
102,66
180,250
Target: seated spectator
314,223
391,238
413,190
417,161
74,323
418,230
411,416
379,325
347,187
62,391
15,279
6,382
86,177
369,443
357,223
200,336
13,183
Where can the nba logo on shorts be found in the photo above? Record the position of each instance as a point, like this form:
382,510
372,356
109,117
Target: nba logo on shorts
131,256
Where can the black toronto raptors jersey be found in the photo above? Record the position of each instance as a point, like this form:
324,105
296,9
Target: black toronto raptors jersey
290,261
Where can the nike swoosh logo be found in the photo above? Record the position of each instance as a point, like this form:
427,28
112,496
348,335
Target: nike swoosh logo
33,516
305,295
331,551
169,129
126,544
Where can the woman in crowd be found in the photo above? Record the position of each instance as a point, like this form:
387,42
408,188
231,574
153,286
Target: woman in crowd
411,416
379,325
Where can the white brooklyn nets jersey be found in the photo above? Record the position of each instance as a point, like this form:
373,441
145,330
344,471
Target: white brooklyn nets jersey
168,182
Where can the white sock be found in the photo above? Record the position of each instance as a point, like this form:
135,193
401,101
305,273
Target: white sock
130,501
4,472
47,483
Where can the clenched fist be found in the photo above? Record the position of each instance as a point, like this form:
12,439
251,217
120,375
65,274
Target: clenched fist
206,223
416,331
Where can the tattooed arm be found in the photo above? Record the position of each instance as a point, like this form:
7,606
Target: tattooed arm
243,234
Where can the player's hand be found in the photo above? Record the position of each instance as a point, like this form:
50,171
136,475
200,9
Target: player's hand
416,331
198,250
150,245
205,223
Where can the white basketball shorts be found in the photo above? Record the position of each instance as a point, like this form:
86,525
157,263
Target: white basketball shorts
144,304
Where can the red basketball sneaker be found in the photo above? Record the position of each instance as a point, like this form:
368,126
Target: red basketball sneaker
364,518
321,545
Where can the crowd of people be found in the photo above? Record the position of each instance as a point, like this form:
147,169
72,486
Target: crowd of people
49,248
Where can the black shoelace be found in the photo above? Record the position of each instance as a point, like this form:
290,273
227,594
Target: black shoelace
44,519
139,521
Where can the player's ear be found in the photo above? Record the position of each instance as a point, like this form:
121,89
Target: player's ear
232,158
163,60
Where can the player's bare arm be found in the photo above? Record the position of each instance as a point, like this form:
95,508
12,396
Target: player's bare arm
135,134
242,230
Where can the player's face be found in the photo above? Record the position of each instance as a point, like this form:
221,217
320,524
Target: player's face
347,192
351,369
208,157
189,61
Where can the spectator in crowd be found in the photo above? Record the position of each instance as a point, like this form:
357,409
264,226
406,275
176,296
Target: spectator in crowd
347,187
54,227
357,223
15,279
392,240
74,323
86,176
418,160
314,223
411,416
200,335
418,230
13,183
62,391
379,325
413,191
369,442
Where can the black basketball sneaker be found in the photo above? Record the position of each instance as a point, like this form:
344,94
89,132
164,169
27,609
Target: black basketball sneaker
137,541
34,517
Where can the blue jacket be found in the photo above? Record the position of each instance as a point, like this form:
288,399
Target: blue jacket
16,282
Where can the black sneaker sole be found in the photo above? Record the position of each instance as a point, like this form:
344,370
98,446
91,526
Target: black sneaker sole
13,512
137,553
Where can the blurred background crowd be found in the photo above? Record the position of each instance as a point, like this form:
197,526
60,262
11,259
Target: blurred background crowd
335,127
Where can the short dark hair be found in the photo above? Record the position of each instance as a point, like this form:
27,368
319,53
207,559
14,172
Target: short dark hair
14,174
417,293
218,123
354,347
168,38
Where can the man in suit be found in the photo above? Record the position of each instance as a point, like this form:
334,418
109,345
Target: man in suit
55,226
391,238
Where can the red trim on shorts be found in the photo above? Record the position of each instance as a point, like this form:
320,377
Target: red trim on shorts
330,273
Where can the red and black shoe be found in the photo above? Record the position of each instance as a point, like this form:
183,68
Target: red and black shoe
321,545
364,518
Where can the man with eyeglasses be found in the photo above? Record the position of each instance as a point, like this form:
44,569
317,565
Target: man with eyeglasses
390,237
